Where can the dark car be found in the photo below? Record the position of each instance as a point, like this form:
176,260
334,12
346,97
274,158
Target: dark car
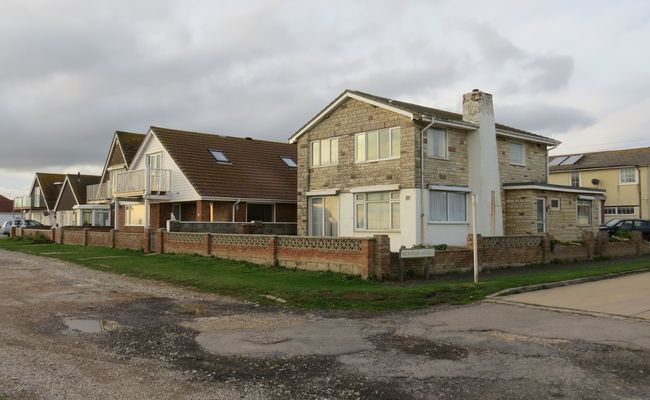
615,225
5,229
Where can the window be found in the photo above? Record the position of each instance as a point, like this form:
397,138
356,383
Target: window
135,215
220,156
324,216
86,217
447,206
575,179
584,212
377,145
101,218
154,160
555,204
259,212
176,212
621,210
377,211
516,153
289,161
324,152
627,175
437,143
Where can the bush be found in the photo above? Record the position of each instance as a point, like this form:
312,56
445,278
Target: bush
40,239
441,246
623,234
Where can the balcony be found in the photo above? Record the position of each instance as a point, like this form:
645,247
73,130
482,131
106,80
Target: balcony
134,183
28,202
100,192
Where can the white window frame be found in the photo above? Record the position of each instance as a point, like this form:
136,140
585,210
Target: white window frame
393,198
127,216
523,153
447,221
559,205
591,216
319,143
617,210
430,154
158,155
571,178
620,176
391,156
310,219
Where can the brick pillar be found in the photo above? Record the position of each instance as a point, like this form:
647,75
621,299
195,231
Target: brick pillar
590,243
59,235
546,248
274,251
112,238
12,232
53,235
637,239
159,238
381,267
602,241
163,235
207,240
84,240
145,241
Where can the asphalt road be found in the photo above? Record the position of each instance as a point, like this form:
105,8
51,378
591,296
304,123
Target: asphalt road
627,296
67,332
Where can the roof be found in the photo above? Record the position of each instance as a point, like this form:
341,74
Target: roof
130,143
6,205
606,159
552,187
255,169
48,188
78,184
416,111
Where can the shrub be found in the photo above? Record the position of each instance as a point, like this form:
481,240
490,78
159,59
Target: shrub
441,246
623,234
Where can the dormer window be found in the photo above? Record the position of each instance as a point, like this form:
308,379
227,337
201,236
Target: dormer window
219,156
289,161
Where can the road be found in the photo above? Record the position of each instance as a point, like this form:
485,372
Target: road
67,332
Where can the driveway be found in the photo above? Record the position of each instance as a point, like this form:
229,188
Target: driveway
67,332
627,296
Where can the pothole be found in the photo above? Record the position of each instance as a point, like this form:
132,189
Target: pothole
418,346
89,325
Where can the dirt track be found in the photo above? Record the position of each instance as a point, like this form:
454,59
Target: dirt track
141,340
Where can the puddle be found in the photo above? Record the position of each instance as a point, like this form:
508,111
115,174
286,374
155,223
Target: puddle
198,309
90,325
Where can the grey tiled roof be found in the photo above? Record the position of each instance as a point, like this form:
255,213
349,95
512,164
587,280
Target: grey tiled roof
605,159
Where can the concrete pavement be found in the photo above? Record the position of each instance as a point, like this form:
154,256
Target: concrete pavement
627,296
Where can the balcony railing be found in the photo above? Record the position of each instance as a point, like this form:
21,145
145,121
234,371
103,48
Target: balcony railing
28,202
99,192
134,182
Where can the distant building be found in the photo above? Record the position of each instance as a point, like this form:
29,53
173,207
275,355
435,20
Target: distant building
6,209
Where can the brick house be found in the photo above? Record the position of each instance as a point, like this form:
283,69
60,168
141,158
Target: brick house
39,204
370,165
71,208
193,176
6,209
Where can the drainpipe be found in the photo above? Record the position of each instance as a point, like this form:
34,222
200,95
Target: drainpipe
638,174
233,209
547,167
422,222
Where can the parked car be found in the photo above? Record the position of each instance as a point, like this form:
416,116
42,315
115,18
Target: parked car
18,222
615,225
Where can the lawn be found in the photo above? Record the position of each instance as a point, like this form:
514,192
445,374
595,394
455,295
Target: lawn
307,289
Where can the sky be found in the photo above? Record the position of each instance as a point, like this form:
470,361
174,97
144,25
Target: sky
74,71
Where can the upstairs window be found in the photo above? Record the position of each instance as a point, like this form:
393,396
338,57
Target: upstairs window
437,143
324,152
517,156
382,144
220,156
289,161
575,179
627,175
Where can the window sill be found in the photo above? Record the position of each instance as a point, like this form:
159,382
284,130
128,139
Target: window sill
375,231
517,165
376,161
628,183
322,166
447,222
438,158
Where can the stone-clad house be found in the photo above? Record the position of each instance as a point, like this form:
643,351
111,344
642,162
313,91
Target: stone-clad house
372,165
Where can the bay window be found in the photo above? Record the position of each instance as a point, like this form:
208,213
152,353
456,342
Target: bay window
377,211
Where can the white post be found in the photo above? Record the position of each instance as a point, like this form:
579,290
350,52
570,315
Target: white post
147,191
474,242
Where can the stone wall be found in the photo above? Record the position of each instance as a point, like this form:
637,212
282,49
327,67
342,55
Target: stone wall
534,169
452,171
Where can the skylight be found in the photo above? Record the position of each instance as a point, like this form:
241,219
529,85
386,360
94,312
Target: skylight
289,161
557,161
219,156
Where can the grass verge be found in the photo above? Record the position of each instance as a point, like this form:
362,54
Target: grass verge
307,289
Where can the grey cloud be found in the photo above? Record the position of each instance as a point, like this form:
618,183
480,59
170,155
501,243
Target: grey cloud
544,118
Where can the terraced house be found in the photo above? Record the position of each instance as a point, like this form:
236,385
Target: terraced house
624,174
372,165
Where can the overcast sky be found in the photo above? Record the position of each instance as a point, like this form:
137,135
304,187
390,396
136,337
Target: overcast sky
73,72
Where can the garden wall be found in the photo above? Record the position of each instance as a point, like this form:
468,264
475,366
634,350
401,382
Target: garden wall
250,228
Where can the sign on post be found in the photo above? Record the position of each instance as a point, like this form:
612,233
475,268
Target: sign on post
416,253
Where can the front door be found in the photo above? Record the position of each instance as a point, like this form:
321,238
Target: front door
541,214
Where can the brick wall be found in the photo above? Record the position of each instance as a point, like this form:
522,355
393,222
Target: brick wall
502,251
99,238
129,240
256,228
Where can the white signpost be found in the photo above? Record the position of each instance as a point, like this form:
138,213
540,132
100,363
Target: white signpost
416,253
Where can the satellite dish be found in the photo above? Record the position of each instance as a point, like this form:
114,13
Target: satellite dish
595,181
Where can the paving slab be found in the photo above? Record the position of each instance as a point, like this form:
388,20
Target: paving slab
627,296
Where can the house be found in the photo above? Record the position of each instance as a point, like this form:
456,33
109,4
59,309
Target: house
99,196
6,209
71,208
39,204
623,173
193,176
372,165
